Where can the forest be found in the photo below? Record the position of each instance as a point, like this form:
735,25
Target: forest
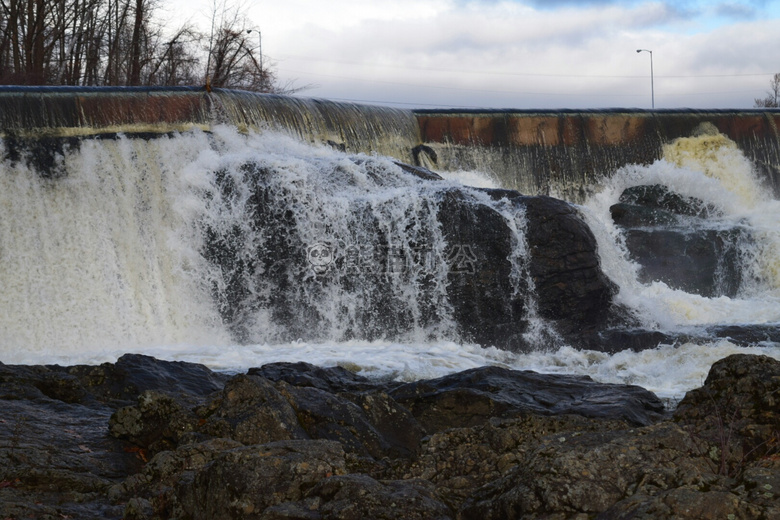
126,43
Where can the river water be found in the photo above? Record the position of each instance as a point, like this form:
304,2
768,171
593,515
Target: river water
106,256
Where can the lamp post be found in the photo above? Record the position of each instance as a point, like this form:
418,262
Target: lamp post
259,46
652,89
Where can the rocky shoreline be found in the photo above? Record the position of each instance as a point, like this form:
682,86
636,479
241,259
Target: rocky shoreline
144,438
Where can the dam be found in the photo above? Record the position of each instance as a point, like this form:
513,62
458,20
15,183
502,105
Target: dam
235,229
562,153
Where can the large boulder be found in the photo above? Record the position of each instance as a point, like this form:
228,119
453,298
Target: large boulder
671,238
487,443
736,411
493,261
571,289
472,397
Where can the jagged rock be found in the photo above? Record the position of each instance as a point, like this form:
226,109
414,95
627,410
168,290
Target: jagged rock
243,482
157,480
737,411
587,473
357,496
251,410
667,234
132,374
658,196
461,460
473,396
328,416
499,444
301,374
156,423
690,503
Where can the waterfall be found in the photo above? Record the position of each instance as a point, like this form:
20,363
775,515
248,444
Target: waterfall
710,168
568,154
228,237
235,229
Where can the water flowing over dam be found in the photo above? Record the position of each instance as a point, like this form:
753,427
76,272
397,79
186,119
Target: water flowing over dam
566,153
234,228
563,153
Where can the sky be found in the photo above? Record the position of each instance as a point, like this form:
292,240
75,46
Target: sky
520,54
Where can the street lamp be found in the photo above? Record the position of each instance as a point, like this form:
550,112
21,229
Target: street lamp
652,89
259,47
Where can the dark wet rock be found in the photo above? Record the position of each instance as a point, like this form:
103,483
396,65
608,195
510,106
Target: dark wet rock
669,236
473,396
633,216
133,374
487,443
56,457
698,261
301,374
637,340
571,288
484,302
747,334
419,171
244,482
328,416
571,291
659,197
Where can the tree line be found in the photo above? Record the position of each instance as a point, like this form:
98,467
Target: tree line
772,98
124,43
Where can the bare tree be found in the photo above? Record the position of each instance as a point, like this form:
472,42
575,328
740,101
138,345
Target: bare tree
121,42
177,63
233,59
773,95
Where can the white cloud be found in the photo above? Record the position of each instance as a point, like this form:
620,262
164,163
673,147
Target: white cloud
523,54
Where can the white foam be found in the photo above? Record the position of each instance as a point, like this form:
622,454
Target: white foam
712,169
108,260
472,178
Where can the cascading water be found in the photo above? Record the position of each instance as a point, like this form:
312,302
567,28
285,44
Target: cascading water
712,169
367,231
196,243
171,246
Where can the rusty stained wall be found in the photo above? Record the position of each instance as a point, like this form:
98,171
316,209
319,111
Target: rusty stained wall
566,153
69,111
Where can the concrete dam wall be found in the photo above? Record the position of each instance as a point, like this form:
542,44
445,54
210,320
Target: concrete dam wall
566,153
563,153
